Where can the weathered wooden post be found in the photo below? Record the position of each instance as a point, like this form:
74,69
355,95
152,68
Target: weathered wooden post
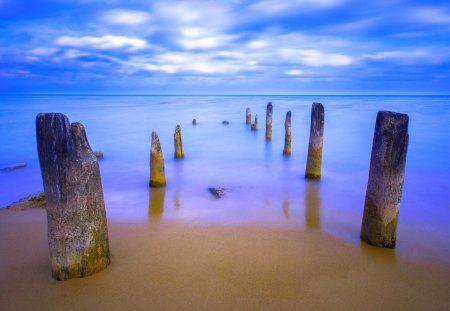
178,144
314,162
269,121
386,176
248,116
255,125
288,135
157,176
77,228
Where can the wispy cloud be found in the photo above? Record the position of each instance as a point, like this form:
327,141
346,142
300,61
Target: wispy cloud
431,15
125,17
315,58
200,63
102,43
294,72
43,51
282,7
419,56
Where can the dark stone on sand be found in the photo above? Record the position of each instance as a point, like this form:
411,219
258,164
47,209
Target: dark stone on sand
218,193
13,167
225,122
77,228
36,200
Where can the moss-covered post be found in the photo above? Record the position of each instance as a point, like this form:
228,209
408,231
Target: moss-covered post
248,116
76,216
269,113
288,135
157,176
386,175
314,162
255,125
178,144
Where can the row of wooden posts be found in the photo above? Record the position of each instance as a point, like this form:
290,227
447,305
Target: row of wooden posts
313,164
77,226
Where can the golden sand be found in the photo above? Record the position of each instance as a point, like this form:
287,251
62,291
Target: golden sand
176,266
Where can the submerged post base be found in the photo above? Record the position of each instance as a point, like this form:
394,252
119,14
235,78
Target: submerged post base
312,176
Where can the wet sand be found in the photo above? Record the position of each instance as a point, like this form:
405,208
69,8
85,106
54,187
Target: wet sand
179,266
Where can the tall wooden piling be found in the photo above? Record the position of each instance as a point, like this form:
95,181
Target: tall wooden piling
178,143
269,113
314,162
386,176
288,135
255,125
157,175
76,216
248,116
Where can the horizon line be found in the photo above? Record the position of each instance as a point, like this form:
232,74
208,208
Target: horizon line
214,94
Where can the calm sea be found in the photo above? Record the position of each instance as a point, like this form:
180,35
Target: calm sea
263,186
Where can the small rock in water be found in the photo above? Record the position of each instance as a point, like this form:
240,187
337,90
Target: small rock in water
194,122
218,192
225,122
36,200
13,167
98,154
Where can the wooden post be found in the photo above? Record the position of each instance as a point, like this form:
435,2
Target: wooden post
248,116
314,162
255,125
77,228
157,176
386,176
269,113
178,144
288,135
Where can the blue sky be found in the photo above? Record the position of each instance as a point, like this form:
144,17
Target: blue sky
228,46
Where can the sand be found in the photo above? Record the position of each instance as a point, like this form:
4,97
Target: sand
179,266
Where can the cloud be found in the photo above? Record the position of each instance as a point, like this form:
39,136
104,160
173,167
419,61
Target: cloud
353,26
197,63
315,58
293,6
102,43
294,72
399,55
257,44
41,51
192,28
125,17
210,42
431,15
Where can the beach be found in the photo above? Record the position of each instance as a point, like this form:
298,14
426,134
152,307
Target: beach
175,266
275,241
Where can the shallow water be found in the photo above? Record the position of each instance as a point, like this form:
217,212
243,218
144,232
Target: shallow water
264,187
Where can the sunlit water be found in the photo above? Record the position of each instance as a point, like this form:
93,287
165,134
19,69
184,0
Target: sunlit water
263,186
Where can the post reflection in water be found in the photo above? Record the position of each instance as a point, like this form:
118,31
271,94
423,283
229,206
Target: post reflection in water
285,206
156,197
312,205
178,181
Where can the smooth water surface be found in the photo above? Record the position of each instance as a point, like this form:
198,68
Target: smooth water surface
264,187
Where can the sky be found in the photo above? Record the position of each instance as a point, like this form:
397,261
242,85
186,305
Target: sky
225,47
